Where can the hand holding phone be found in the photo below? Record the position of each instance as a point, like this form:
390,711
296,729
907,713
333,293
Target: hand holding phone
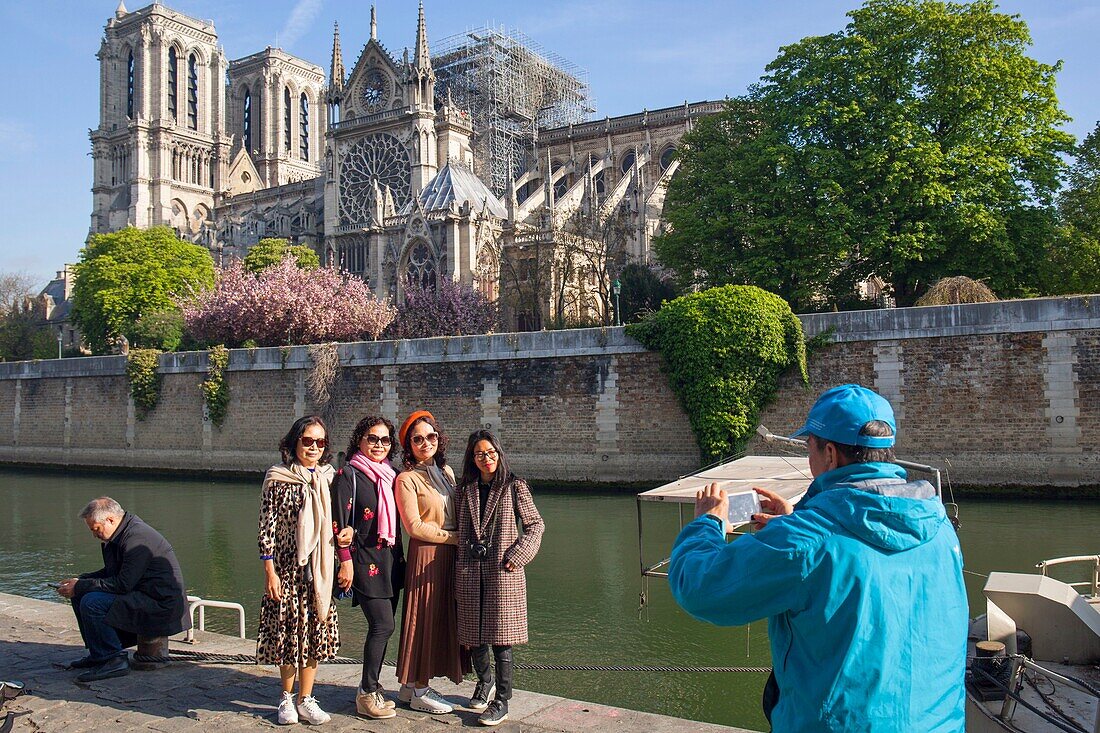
742,506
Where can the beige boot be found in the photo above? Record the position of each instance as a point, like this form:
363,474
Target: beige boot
373,705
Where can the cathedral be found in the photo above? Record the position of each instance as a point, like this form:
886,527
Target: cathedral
479,162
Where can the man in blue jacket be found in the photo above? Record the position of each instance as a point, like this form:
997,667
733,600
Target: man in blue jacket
862,585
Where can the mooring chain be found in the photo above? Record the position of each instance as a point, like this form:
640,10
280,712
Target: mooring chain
176,655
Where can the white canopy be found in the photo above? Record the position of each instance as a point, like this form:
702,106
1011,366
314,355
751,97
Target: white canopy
788,476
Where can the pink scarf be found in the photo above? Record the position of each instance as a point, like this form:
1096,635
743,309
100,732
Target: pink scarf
383,475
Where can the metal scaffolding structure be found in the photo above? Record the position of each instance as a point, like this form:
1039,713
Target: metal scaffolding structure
510,86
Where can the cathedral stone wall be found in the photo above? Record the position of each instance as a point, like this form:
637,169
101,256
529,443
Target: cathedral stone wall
1000,393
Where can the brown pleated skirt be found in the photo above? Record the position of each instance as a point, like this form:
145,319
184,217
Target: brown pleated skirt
429,623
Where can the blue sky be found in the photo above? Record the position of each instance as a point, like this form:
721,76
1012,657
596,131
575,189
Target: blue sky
638,54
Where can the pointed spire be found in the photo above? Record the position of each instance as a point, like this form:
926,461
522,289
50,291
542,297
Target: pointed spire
336,70
373,24
121,11
423,59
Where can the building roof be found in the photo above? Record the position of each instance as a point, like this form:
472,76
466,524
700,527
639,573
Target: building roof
456,183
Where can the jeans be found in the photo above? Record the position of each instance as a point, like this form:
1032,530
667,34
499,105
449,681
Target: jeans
91,609
379,613
479,655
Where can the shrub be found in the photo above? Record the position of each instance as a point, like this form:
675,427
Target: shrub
145,380
453,309
270,252
725,349
215,392
955,290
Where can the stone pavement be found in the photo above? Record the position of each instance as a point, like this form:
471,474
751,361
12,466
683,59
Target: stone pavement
37,638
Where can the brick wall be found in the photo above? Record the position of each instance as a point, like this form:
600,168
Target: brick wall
1005,393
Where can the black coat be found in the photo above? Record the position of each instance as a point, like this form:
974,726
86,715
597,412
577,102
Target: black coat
140,567
388,562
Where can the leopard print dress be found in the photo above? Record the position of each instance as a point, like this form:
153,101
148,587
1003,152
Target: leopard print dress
290,632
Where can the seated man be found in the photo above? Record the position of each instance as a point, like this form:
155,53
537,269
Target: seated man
139,591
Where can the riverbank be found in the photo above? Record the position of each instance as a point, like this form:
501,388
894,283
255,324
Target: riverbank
38,637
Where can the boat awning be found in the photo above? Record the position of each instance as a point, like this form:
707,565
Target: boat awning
788,476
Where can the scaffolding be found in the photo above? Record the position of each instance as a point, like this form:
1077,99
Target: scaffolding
510,86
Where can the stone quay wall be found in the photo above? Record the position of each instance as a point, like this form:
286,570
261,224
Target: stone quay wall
997,393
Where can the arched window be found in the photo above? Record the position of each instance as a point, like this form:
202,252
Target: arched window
173,82
286,119
246,129
421,269
303,127
130,86
192,92
667,156
627,162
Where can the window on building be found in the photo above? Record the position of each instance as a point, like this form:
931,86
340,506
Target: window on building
421,268
192,92
627,162
303,127
246,129
130,86
173,82
667,156
286,119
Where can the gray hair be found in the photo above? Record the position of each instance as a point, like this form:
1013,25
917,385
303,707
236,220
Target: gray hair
99,509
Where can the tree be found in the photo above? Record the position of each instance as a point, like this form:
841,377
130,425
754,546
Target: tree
919,142
644,289
15,287
271,251
1072,265
125,276
24,335
591,252
452,309
285,304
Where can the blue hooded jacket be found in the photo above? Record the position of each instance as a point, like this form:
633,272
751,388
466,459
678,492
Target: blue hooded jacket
863,590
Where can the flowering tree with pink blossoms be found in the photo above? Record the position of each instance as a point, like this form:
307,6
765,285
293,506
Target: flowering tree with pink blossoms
284,304
452,309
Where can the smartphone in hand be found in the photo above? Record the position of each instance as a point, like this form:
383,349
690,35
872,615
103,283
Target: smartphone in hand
742,506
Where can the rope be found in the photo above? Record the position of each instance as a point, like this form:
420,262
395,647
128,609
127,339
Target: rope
187,655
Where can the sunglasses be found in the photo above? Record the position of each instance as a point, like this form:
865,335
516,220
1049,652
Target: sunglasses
309,442
419,440
383,440
485,455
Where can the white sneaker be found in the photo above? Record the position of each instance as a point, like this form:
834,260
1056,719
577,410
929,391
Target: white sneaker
430,702
311,712
405,694
288,714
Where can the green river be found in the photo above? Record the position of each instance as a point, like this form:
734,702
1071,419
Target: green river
583,587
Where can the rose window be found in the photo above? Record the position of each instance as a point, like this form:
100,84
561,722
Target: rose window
380,157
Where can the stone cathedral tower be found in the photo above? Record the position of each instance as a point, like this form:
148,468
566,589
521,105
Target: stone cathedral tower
159,152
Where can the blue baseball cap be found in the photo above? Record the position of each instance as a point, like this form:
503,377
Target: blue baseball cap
841,412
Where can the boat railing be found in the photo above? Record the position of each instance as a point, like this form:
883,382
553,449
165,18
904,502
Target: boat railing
1093,585
194,603
1020,663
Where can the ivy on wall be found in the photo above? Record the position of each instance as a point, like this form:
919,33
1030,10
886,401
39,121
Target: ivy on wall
725,349
145,380
215,392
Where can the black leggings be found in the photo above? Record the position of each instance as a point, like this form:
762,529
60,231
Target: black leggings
379,613
480,656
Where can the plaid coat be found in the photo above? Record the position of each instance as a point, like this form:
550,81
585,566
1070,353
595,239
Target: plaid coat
492,602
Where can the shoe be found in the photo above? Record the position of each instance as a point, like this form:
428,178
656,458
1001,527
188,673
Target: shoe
385,700
310,712
430,702
87,662
405,694
495,714
373,705
114,667
482,693
288,713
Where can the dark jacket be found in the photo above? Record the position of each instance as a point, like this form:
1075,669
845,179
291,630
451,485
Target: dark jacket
140,567
379,571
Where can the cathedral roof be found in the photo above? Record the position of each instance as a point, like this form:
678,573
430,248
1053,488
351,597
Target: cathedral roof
456,183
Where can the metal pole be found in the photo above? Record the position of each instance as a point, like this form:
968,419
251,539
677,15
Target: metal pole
59,342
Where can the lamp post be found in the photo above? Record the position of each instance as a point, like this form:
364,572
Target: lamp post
616,288
58,343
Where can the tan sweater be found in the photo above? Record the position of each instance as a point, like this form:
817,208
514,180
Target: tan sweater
421,507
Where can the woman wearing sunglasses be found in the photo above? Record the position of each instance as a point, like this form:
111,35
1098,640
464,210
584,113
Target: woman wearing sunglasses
490,583
372,569
298,622
429,626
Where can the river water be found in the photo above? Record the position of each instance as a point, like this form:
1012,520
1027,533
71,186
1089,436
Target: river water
583,587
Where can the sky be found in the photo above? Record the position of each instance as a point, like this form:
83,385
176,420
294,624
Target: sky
638,54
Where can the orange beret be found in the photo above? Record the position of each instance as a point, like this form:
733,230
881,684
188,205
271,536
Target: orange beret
409,423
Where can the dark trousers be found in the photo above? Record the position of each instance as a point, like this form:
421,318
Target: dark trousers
103,641
379,613
503,655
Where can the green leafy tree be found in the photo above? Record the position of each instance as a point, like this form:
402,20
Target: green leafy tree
268,252
643,291
1072,264
919,142
24,335
133,277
